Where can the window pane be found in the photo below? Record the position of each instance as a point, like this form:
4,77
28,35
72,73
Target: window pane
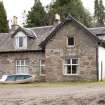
22,69
42,62
26,70
18,69
42,70
20,41
74,69
68,61
26,62
69,69
70,41
22,62
17,62
74,61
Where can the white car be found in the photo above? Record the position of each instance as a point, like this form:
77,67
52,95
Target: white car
17,78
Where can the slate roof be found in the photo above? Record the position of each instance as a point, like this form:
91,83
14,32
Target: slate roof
98,30
39,36
7,40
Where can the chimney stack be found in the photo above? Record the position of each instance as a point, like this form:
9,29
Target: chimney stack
15,20
14,23
57,18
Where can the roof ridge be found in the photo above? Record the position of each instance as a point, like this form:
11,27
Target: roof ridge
40,27
96,27
4,33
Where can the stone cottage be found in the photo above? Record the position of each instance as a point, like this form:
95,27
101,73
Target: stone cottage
65,52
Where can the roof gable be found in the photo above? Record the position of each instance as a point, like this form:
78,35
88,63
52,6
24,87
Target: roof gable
26,31
20,34
59,26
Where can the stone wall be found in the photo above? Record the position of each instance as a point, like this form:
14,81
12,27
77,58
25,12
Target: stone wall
8,63
57,50
55,53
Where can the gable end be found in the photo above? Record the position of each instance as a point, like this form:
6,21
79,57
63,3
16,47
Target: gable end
59,26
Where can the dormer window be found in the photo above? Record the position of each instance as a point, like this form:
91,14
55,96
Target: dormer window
70,41
20,41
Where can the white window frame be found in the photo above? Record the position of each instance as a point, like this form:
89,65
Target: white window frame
25,66
41,66
68,42
20,34
65,71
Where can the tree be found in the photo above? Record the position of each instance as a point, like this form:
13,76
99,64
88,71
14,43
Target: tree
87,19
99,13
96,10
70,7
3,19
36,17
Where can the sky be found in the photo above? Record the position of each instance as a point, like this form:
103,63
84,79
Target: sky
17,7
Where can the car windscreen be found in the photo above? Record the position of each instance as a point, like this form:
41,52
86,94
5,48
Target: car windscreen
11,78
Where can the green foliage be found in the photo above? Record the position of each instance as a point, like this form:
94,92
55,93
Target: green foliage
96,9
99,13
3,19
36,17
70,7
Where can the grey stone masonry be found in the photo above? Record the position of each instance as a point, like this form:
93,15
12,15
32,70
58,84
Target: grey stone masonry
57,50
8,63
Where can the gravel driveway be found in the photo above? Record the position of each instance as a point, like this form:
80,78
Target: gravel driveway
94,95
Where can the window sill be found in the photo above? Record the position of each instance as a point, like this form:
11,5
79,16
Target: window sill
21,48
70,46
42,74
70,74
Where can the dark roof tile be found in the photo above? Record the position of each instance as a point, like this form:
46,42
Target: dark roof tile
98,30
7,42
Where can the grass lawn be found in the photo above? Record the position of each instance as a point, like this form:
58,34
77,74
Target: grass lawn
55,84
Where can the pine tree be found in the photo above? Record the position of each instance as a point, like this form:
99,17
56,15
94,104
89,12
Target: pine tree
99,13
3,19
70,7
36,17
96,9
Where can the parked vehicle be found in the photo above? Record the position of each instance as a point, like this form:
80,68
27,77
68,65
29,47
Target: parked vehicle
21,78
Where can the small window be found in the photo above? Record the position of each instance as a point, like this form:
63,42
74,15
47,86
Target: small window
42,67
21,41
71,66
71,41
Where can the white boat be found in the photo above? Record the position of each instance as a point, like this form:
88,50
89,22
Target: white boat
17,78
